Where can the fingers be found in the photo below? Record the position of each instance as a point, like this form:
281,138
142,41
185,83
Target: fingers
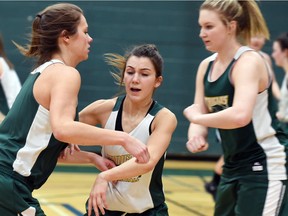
143,157
77,148
90,206
101,203
96,204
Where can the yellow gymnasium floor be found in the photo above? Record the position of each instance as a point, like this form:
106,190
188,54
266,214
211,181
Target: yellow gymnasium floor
67,189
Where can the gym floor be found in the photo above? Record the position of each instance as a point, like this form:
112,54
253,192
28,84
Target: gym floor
67,189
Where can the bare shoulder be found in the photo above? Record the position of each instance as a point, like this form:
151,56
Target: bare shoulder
250,59
204,64
59,72
166,117
101,105
266,57
97,112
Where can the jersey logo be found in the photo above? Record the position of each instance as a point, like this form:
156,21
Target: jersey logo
257,167
216,104
119,159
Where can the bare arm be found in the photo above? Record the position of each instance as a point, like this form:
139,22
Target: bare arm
197,134
84,157
57,90
249,80
164,125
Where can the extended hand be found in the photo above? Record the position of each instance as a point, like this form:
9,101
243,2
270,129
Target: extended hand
97,199
197,144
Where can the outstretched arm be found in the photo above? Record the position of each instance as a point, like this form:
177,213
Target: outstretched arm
85,157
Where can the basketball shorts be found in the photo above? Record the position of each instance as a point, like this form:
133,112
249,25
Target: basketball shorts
251,196
16,199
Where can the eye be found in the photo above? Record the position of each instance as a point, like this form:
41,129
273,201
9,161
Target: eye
208,26
130,72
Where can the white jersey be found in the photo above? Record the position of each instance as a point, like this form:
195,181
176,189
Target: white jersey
10,82
283,104
140,193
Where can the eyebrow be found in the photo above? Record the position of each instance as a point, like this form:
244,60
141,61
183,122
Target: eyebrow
128,66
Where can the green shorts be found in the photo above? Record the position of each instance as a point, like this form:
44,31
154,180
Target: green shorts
251,196
160,210
16,198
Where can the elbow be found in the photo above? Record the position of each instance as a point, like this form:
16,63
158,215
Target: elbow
61,134
241,119
149,166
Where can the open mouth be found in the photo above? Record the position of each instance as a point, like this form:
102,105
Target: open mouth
135,89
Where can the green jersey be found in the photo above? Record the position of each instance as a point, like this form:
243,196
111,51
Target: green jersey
259,148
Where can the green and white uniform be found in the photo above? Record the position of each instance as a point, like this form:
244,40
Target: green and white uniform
28,151
255,171
141,194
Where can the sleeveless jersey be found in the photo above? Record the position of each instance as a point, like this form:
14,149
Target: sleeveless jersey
28,149
137,194
257,148
9,88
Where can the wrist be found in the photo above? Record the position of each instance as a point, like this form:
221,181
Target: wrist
102,176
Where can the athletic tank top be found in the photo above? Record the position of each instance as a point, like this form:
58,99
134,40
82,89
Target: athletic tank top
28,149
257,148
9,88
137,194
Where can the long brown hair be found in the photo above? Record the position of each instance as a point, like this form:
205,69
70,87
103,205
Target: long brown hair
47,26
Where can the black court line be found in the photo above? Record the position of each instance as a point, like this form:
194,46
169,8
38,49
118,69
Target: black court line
73,210
185,207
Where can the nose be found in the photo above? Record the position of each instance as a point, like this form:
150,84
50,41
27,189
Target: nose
201,33
135,78
90,39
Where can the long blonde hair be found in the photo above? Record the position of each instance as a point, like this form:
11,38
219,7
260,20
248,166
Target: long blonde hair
250,21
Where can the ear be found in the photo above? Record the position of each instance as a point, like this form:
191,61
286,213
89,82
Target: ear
286,52
232,26
158,81
65,36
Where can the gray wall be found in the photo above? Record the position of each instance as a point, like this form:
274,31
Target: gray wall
116,25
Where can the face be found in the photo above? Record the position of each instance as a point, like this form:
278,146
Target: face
257,42
140,78
279,56
213,31
80,42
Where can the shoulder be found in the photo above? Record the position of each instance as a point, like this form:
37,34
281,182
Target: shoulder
99,107
266,57
104,104
61,73
97,112
252,57
166,118
204,63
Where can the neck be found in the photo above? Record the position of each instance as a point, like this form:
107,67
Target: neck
227,54
285,66
66,61
137,108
